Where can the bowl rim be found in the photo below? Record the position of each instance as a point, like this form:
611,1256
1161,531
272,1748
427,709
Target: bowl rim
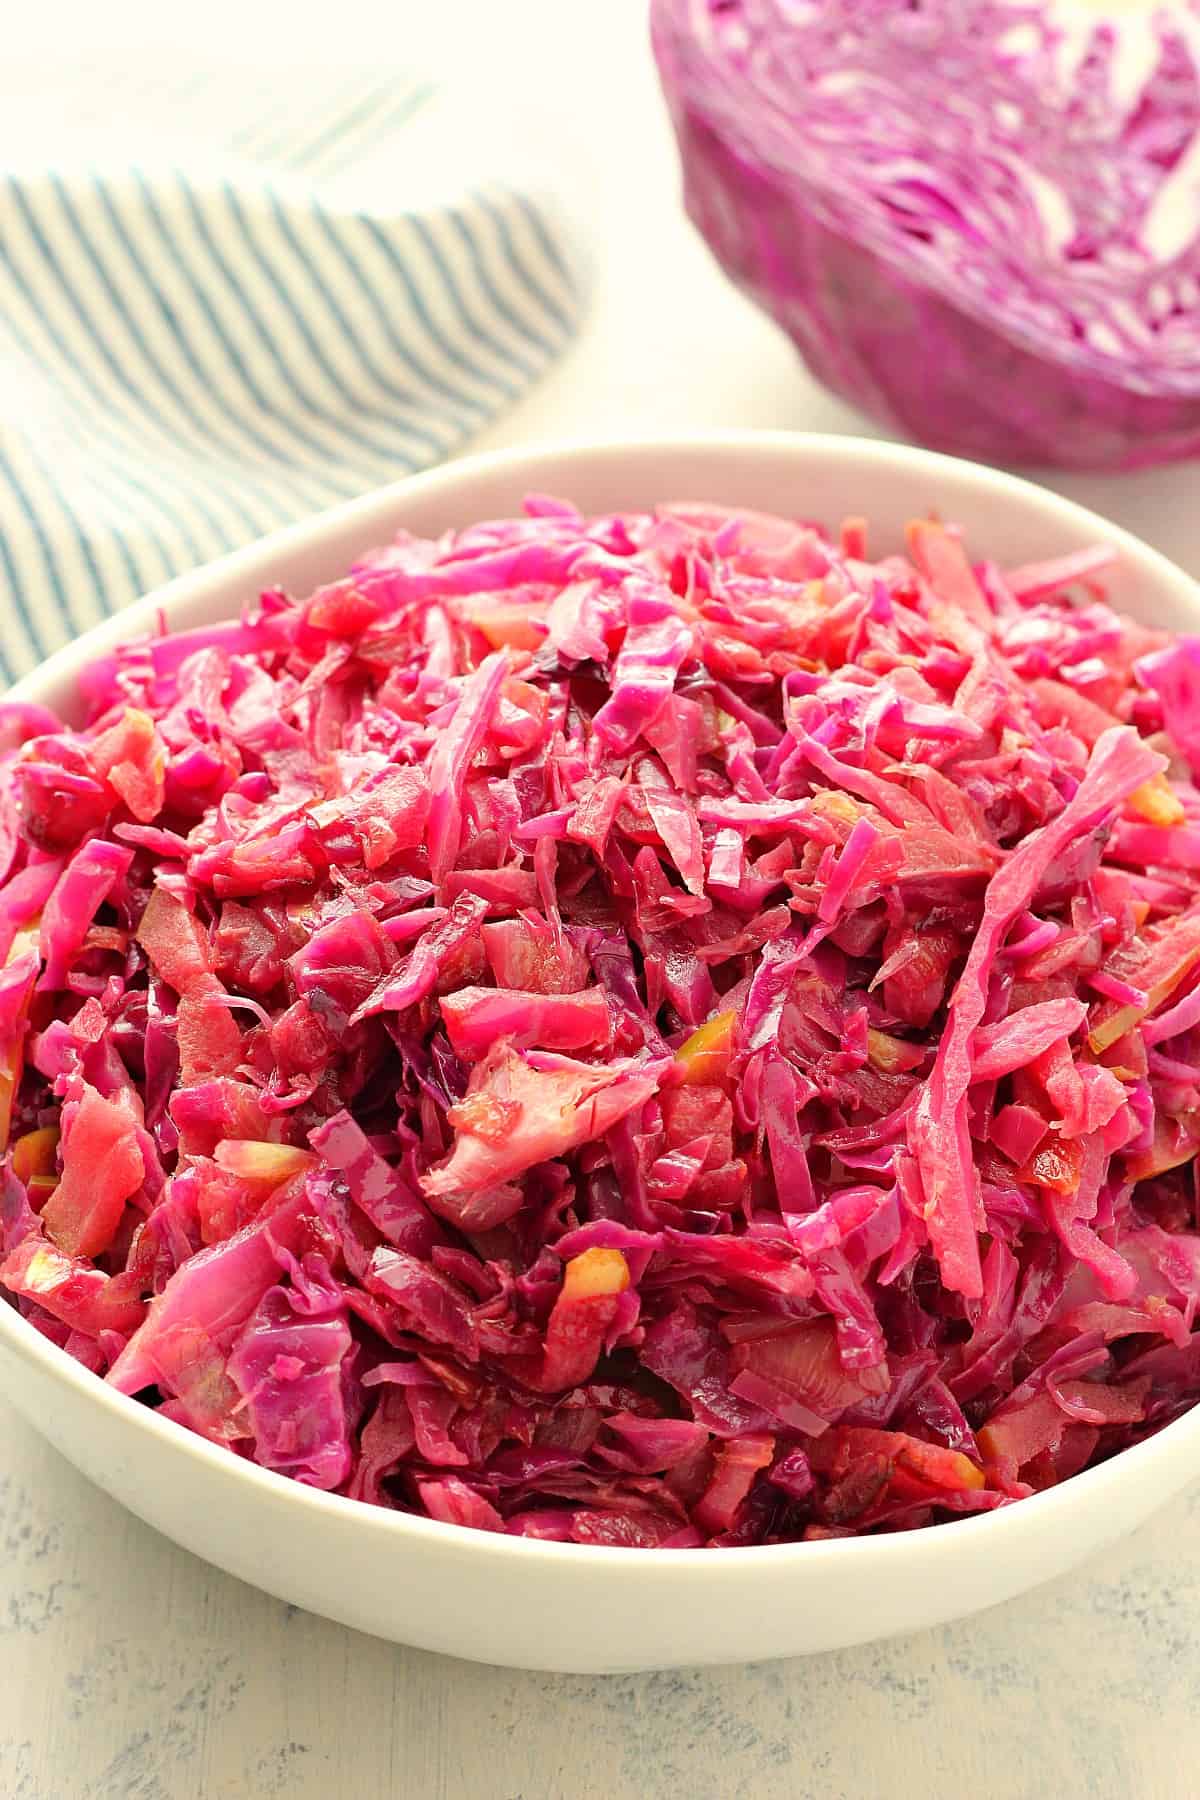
1007,1527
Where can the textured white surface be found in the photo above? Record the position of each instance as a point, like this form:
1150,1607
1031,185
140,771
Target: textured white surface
132,1672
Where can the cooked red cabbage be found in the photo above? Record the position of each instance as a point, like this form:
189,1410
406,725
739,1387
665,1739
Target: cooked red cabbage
977,219
653,1031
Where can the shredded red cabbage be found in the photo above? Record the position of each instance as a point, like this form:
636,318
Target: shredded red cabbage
654,1030
975,218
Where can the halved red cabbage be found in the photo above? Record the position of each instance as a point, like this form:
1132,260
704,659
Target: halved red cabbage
976,221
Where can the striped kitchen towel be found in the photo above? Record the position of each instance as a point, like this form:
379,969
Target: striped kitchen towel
228,300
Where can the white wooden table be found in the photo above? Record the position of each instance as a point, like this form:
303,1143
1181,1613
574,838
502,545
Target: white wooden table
130,1671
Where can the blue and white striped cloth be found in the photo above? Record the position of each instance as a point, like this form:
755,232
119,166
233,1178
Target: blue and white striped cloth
227,301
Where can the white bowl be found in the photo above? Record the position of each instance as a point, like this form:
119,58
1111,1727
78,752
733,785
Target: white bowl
561,1606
